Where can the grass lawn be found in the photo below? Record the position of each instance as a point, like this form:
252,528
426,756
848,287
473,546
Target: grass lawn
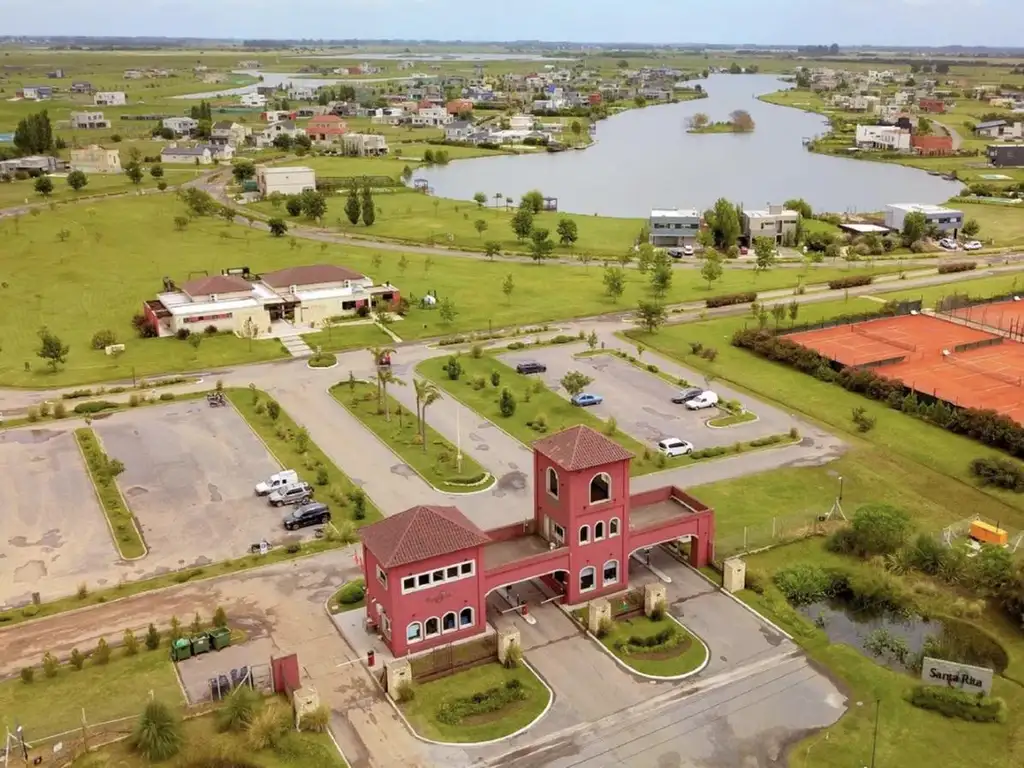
345,599
422,710
349,336
1001,225
683,658
284,437
436,463
558,412
17,192
120,688
906,735
732,419
122,522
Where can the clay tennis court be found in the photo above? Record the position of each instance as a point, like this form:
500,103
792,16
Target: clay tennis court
928,355
1001,315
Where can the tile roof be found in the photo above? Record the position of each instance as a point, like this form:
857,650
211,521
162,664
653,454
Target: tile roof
203,286
312,274
420,533
579,448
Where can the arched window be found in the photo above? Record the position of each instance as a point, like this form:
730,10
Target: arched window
552,482
432,627
466,617
448,622
613,527
600,488
588,579
611,572
598,530
584,534
414,633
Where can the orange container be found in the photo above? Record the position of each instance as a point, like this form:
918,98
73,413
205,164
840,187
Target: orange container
988,534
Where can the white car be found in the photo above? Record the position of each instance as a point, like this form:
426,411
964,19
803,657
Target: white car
972,245
707,399
948,243
673,446
277,481
687,250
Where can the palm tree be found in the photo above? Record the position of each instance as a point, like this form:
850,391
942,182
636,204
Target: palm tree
427,393
385,377
378,354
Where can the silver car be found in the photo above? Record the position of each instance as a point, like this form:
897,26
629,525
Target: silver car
296,493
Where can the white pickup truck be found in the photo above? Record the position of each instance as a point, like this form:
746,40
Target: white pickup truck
277,481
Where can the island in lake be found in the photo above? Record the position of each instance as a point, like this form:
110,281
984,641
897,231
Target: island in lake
739,121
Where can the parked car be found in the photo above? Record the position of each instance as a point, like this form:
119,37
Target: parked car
973,245
948,243
277,481
315,513
687,250
296,493
584,399
675,253
673,446
706,399
686,395
531,367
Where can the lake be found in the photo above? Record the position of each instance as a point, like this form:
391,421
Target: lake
645,159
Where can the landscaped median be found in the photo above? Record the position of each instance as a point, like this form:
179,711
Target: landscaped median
409,436
103,470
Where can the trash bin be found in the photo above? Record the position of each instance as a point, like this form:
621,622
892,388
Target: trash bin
181,649
220,637
200,644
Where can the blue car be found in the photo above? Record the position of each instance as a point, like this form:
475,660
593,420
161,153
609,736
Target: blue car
585,398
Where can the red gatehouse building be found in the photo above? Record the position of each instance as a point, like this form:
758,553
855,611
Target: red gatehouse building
429,569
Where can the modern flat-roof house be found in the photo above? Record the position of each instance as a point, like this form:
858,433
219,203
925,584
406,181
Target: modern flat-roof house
364,144
109,98
96,159
35,92
32,164
302,93
198,155
432,117
1005,155
882,137
81,86
1000,129
304,296
673,227
948,220
253,100
326,129
182,126
89,120
775,222
285,180
429,570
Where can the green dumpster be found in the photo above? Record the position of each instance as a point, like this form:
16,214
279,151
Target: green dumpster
181,649
200,644
220,638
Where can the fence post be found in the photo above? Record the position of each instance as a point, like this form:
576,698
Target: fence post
773,528
744,537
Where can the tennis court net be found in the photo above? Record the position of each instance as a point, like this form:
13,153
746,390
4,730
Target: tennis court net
879,337
1014,381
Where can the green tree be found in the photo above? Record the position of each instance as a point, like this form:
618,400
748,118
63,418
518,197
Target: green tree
481,199
764,253
507,403
592,340
243,170
794,310
507,286
651,315
645,257
34,134
77,180
712,268
971,228
277,227
533,200
522,223
833,251
369,208
914,227
352,207
492,248
480,226
614,282
313,205
51,349
575,382
134,173
540,245
44,186
724,223
157,735
152,637
801,206
447,311
156,171
924,126
878,529
568,233
427,394
661,277
130,643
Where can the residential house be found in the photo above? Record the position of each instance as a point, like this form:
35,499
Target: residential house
387,116
459,106
198,155
89,120
265,138
931,145
521,122
882,137
1000,129
284,180
776,222
57,74
947,220
364,144
327,129
220,152
313,110
1005,155
255,100
109,98
302,93
228,133
276,115
182,126
248,64
81,87
460,130
936,106
673,227
433,117
35,92
96,159
35,164
133,74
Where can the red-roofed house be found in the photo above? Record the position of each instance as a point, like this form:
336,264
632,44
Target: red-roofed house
429,570
458,106
937,106
326,129
932,145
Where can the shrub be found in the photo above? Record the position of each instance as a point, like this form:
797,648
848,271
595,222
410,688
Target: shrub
239,709
133,400
976,708
957,266
507,403
77,659
352,592
94,406
157,735
210,330
28,674
479,382
709,354
102,339
729,299
152,638
863,422
102,653
454,711
166,396
755,581
405,692
268,726
322,476
657,611
220,617
604,628
850,282
918,246
50,665
131,643
82,591
513,656
1002,473
182,334
495,378
804,583
453,368
316,721
476,351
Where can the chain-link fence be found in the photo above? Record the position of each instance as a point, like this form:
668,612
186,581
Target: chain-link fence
777,530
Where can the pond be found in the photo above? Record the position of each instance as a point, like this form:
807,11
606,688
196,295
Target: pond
645,159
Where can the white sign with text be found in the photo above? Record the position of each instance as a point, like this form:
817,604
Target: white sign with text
963,677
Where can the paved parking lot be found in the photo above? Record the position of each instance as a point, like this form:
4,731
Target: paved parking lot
52,532
641,402
189,476
233,663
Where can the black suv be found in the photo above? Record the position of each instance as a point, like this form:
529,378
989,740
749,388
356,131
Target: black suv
532,367
314,513
686,395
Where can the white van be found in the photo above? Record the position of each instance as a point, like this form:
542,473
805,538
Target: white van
707,399
277,481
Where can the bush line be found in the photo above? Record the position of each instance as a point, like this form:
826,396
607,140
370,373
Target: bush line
103,472
957,266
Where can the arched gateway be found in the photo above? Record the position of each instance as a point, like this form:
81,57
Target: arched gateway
429,569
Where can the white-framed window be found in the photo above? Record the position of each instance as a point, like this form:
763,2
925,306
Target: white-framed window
449,623
432,627
584,534
610,574
588,579
437,576
598,530
428,579
382,577
408,584
414,632
466,568
452,572
423,580
600,488
466,617
613,527
552,483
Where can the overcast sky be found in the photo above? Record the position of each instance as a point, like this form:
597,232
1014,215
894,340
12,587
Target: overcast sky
766,22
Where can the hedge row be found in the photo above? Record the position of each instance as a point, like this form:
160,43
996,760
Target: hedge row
454,711
986,426
957,266
851,282
1001,473
730,299
976,708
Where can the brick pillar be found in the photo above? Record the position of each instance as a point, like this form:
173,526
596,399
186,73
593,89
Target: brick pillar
653,595
597,611
399,673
